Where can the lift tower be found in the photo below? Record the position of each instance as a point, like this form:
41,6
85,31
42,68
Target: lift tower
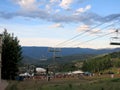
56,54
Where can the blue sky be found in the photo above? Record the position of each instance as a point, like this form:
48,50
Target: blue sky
50,22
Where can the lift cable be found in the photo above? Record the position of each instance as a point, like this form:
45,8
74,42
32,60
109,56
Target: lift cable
98,30
85,32
101,36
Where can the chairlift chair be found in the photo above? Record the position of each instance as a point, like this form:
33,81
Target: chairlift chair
58,55
50,49
43,58
115,41
58,49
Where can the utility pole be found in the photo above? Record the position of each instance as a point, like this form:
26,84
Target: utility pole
0,55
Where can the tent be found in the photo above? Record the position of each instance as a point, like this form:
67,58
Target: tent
41,70
24,74
77,72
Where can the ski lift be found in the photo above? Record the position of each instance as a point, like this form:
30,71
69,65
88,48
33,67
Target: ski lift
58,55
56,52
115,40
43,58
54,49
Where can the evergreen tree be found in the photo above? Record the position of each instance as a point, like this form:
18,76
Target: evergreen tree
11,56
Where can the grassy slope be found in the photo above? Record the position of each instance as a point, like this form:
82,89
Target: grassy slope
76,84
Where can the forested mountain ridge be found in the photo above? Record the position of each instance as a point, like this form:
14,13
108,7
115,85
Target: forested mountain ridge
37,52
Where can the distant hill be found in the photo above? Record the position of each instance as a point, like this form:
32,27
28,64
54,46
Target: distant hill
102,62
34,54
66,59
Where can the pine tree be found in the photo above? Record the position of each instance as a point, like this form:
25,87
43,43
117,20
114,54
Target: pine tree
11,56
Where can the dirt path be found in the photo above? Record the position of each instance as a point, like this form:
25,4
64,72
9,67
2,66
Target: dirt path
3,85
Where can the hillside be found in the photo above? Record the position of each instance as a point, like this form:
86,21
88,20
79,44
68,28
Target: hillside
103,62
66,59
34,54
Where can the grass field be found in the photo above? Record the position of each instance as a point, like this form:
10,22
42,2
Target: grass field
88,83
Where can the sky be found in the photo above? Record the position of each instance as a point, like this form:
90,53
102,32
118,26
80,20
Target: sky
61,23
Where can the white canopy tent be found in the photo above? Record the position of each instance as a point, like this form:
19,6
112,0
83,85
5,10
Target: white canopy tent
40,70
77,72
24,74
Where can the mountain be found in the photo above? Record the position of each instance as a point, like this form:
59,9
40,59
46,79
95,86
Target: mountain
35,54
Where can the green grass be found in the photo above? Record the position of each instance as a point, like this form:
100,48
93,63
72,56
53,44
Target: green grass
103,84
12,86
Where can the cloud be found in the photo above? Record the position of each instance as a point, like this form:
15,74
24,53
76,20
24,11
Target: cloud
40,14
86,18
111,30
52,1
88,7
95,31
82,10
51,12
83,28
81,1
57,10
112,16
28,5
88,29
7,15
57,25
66,3
37,41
